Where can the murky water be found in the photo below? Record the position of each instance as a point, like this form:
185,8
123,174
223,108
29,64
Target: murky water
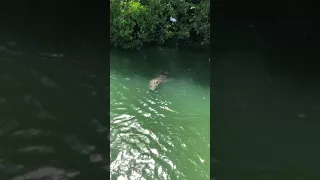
52,110
266,99
162,134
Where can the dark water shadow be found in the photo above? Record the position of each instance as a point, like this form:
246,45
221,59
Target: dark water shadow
151,61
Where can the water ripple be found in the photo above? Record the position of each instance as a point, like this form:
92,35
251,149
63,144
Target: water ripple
48,173
146,134
41,119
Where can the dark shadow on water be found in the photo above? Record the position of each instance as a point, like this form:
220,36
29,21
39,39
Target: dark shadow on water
266,99
154,60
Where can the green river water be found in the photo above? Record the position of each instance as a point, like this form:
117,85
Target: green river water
53,101
162,134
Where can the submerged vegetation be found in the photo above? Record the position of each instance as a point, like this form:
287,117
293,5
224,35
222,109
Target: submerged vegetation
134,23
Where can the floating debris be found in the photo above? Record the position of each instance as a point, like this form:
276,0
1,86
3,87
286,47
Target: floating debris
173,19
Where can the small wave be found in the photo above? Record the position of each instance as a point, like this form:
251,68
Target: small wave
48,173
148,130
8,51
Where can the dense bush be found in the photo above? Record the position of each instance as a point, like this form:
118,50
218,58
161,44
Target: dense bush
134,23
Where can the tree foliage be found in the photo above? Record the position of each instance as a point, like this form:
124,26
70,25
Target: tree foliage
134,23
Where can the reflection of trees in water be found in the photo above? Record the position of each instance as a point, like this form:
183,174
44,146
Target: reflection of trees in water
152,61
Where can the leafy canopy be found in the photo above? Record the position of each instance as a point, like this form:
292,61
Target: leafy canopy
134,23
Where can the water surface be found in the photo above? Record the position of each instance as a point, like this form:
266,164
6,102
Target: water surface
162,134
266,102
52,108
